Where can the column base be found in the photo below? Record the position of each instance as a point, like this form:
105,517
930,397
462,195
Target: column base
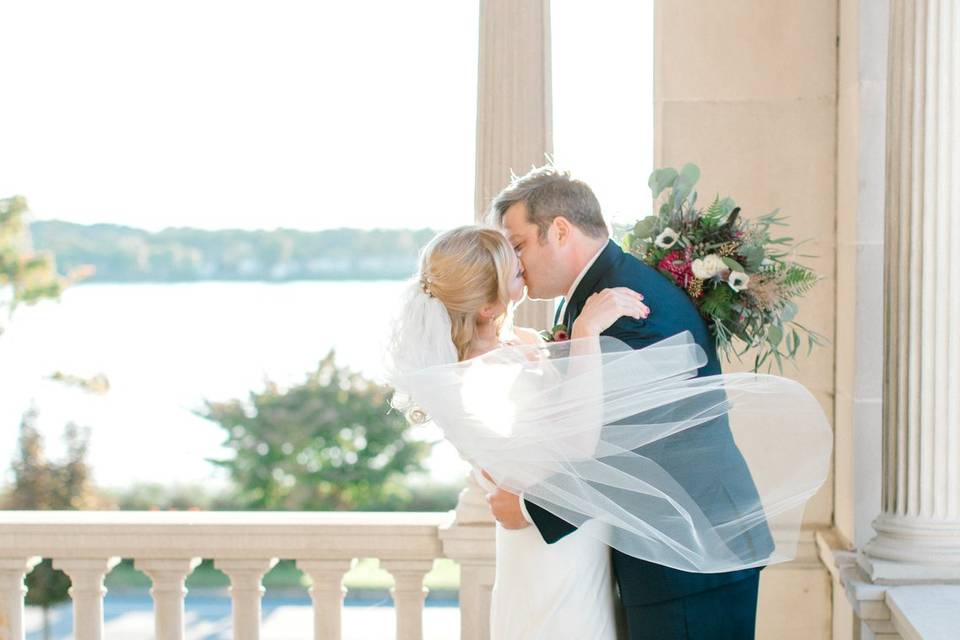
882,571
912,550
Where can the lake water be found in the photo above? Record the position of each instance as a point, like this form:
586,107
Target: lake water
167,347
208,617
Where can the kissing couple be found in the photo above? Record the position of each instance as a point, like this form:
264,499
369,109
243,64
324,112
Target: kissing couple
638,490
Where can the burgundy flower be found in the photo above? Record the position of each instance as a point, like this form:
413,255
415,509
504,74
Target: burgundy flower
558,333
677,264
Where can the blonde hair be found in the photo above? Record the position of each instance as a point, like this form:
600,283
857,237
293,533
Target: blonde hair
465,269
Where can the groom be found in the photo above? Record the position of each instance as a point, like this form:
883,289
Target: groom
555,224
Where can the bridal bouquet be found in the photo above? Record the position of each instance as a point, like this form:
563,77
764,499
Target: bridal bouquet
741,277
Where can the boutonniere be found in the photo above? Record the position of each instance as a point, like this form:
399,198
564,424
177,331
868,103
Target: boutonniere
559,333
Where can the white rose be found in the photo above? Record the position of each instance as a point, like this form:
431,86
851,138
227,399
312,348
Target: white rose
667,238
714,264
738,280
699,270
708,267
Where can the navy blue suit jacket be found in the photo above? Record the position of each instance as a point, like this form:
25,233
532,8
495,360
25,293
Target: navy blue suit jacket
728,481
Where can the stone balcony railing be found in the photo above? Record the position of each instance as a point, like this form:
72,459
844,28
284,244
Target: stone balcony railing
167,546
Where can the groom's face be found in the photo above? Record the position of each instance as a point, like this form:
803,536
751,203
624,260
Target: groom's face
541,257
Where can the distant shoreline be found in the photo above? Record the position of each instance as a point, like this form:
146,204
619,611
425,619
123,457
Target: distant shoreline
119,254
94,281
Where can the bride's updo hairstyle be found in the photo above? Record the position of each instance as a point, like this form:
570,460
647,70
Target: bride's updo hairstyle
466,269
460,272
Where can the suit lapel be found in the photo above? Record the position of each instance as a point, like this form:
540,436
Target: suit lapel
588,285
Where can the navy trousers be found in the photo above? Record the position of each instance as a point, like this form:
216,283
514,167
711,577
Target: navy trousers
726,613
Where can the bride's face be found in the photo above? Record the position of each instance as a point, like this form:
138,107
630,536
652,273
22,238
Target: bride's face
516,287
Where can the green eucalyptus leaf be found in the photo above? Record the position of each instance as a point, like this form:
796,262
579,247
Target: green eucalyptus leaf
661,179
683,187
646,228
774,335
789,311
734,265
753,256
727,205
690,173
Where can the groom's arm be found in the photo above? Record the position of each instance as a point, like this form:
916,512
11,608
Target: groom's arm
635,333
552,528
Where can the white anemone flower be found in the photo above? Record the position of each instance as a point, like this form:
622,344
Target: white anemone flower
738,280
667,238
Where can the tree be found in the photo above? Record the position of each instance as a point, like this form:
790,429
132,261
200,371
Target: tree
26,276
329,443
42,484
154,496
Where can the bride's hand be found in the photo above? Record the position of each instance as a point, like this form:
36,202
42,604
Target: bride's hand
606,307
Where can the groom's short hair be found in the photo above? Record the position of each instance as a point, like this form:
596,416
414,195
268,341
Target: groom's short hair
550,192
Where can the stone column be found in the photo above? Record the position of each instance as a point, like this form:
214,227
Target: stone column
918,532
514,107
168,591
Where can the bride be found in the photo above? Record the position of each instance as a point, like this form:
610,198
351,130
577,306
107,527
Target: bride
615,441
470,277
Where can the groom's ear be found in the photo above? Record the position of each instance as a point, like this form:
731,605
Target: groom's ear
563,229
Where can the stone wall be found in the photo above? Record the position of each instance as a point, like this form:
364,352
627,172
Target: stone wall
748,91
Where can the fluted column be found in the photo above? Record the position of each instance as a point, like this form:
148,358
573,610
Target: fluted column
409,595
327,593
12,592
514,107
87,592
246,591
168,591
514,133
918,532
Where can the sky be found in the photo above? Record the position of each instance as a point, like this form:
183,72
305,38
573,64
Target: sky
309,115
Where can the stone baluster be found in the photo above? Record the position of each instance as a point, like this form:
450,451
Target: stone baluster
87,592
12,592
246,592
408,595
327,594
168,591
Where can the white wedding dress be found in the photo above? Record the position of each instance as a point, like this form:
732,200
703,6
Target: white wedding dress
552,591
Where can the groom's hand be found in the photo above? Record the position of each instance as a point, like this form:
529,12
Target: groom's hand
505,507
